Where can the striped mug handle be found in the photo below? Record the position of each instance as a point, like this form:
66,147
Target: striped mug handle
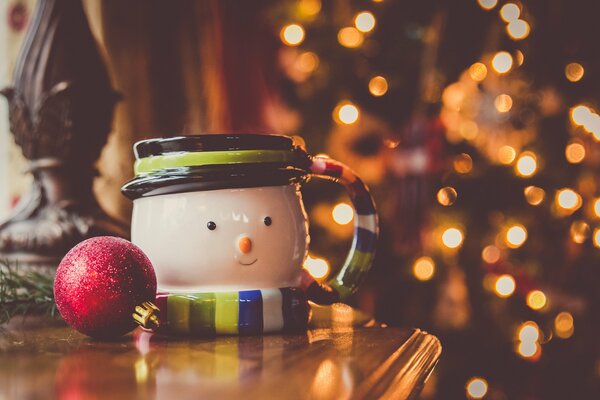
366,229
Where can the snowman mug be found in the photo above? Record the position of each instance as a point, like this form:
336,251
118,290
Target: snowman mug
221,219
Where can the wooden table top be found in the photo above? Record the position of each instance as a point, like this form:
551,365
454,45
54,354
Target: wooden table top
332,360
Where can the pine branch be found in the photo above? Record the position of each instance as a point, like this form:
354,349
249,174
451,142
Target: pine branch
23,293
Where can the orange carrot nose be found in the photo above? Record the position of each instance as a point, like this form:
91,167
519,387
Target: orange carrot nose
245,244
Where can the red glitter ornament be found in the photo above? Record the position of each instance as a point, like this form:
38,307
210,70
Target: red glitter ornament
100,282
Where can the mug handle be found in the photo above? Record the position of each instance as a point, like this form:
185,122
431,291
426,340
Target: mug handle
366,230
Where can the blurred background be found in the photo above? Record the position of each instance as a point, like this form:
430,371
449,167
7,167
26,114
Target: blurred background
474,122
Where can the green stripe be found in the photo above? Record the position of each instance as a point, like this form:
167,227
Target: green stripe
352,273
178,313
226,313
202,314
195,159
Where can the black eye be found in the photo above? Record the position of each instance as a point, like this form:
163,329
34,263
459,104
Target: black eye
268,221
211,225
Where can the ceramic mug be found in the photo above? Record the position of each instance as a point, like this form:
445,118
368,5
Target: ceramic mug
221,219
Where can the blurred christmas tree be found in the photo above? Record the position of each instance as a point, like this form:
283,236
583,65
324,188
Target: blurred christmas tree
476,124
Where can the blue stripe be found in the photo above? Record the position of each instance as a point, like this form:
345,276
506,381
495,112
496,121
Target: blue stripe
365,240
250,312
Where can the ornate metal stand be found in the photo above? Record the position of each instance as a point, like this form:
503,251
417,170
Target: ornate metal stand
61,108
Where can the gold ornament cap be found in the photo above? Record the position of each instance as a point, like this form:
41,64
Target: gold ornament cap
146,315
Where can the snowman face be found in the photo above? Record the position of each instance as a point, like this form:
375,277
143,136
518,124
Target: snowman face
229,239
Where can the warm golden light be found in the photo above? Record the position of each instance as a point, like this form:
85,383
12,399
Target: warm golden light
423,268
378,86
476,388
506,155
597,237
516,235
534,195
342,214
580,114
490,254
478,71
503,103
580,231
452,238
487,4
350,37
364,21
292,34
505,285
536,300
575,152
526,164
309,7
463,163
308,62
528,349
563,325
502,62
346,113
568,199
597,207
510,12
318,268
446,196
518,29
529,332
574,72
468,130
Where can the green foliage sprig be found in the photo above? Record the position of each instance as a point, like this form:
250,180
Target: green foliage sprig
25,292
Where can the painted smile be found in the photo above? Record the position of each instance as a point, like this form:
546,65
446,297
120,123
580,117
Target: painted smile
250,263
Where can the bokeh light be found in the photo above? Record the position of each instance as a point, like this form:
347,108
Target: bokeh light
536,299
506,154
518,29
346,113
568,199
575,152
580,114
478,71
580,231
446,196
476,388
597,237
574,72
452,238
292,34
350,37
564,325
503,103
528,349
468,130
510,12
364,21
423,268
516,235
534,195
309,7
528,332
463,163
526,164
502,62
318,268
597,207
342,213
487,4
308,62
505,285
378,86
490,254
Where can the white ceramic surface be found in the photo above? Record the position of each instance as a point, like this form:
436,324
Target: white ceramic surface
242,252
